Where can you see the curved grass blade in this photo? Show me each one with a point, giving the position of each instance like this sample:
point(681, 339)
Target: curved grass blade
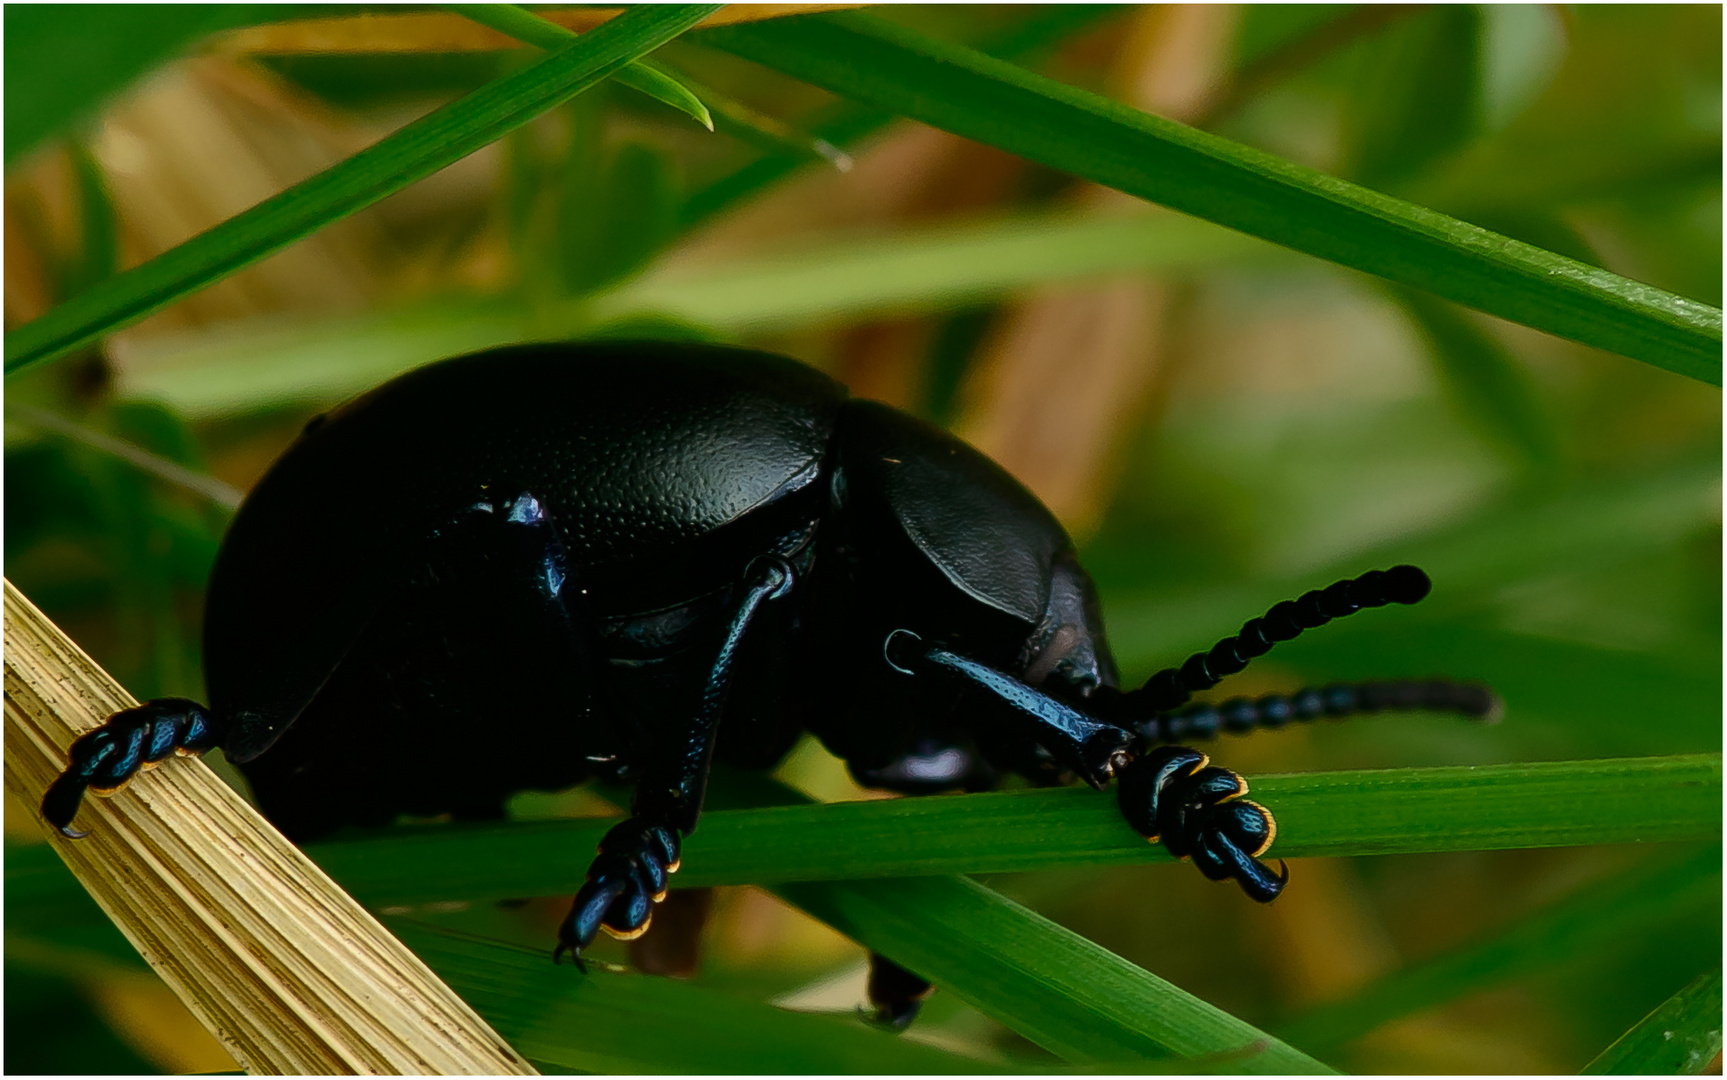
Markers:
point(412, 153)
point(1071, 997)
point(970, 94)
point(1581, 926)
point(1681, 1037)
point(524, 25)
point(1068, 995)
point(223, 494)
point(614, 1022)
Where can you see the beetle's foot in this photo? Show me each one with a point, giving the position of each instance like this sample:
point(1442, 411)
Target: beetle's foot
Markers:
point(626, 880)
point(1175, 796)
point(105, 758)
point(895, 994)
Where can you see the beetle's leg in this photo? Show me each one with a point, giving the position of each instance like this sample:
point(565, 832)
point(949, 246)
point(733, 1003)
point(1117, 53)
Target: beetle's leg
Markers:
point(1171, 687)
point(629, 875)
point(895, 993)
point(1338, 700)
point(1093, 748)
point(105, 758)
point(1174, 795)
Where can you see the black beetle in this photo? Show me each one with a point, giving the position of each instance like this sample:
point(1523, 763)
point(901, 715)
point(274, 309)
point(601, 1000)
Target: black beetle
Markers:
point(540, 564)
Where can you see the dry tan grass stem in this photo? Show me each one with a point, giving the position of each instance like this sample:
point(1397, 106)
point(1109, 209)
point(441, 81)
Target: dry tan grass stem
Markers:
point(285, 969)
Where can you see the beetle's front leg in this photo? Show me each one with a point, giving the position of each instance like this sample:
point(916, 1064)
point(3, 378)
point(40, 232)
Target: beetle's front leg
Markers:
point(629, 875)
point(1169, 794)
point(1175, 795)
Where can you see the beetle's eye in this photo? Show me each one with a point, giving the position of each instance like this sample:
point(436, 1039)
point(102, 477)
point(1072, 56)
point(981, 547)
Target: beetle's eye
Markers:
point(1054, 655)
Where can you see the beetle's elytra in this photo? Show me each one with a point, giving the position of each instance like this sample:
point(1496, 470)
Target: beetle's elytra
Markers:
point(531, 566)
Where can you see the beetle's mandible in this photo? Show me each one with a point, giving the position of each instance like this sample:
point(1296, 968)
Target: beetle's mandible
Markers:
point(535, 565)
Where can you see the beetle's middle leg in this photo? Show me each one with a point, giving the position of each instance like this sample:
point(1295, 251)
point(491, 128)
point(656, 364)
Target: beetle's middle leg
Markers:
point(635, 857)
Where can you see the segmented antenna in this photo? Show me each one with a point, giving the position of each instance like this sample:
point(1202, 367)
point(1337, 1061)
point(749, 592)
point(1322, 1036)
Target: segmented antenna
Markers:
point(1171, 687)
point(1241, 715)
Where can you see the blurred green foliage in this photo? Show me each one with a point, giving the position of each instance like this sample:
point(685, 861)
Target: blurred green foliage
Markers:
point(1306, 422)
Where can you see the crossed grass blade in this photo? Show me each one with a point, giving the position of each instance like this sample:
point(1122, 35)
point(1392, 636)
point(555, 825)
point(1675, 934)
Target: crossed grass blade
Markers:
point(610, 1021)
point(412, 153)
point(971, 95)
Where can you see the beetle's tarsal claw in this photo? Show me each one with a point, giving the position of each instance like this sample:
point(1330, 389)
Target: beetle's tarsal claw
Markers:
point(577, 930)
point(1259, 883)
point(60, 805)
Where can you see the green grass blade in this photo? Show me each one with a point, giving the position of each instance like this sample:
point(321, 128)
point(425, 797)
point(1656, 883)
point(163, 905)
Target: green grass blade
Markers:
point(1548, 804)
point(1059, 990)
point(1490, 807)
point(972, 95)
point(264, 363)
point(613, 1022)
point(524, 25)
point(847, 123)
point(1681, 1037)
point(1582, 926)
point(924, 270)
point(416, 151)
point(1045, 982)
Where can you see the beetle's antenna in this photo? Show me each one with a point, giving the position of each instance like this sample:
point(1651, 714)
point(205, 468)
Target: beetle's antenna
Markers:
point(1171, 687)
point(1241, 715)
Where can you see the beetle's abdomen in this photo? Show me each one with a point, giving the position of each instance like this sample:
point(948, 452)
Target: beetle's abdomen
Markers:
point(663, 467)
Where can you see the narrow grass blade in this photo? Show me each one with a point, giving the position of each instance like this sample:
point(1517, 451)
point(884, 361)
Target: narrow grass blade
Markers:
point(219, 492)
point(1550, 804)
point(614, 1022)
point(416, 151)
point(847, 123)
point(268, 363)
point(1071, 997)
point(972, 95)
point(927, 270)
point(1681, 1037)
point(1484, 808)
point(524, 25)
point(1583, 925)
